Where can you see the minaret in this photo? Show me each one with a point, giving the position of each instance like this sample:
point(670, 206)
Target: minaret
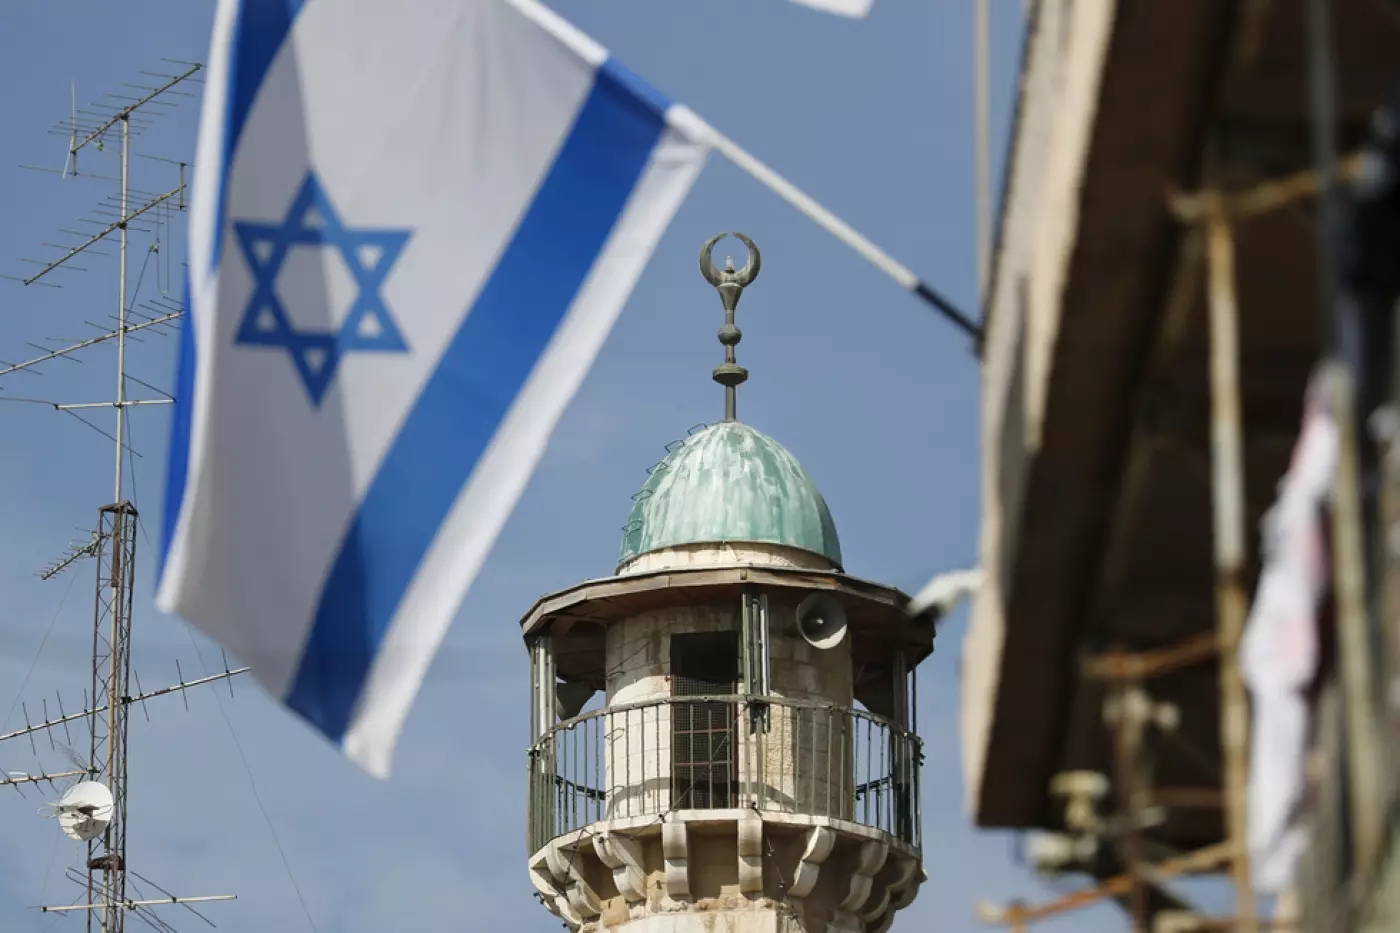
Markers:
point(751, 765)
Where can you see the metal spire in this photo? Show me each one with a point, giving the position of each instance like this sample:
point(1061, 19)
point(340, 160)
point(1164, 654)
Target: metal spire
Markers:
point(730, 284)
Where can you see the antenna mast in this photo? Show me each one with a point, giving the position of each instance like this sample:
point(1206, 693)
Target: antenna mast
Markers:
point(111, 671)
point(114, 542)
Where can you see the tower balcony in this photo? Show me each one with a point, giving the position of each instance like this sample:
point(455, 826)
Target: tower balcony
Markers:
point(754, 765)
point(781, 758)
point(645, 812)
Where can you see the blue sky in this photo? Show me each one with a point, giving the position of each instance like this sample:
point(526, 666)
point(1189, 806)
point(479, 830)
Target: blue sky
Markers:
point(876, 395)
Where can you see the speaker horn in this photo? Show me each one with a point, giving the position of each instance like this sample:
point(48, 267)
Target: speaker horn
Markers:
point(570, 697)
point(821, 621)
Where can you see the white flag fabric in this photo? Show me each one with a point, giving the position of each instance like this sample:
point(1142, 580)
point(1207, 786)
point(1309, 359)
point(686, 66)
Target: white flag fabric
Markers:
point(413, 227)
point(942, 594)
point(852, 8)
point(1279, 652)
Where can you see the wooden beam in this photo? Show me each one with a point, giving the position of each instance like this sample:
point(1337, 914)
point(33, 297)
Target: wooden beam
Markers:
point(1158, 662)
point(1198, 862)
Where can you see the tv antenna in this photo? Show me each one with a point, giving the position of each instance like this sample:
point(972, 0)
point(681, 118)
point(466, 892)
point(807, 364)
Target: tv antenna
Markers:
point(94, 810)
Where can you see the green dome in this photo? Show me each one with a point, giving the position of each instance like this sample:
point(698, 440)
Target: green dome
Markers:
point(730, 484)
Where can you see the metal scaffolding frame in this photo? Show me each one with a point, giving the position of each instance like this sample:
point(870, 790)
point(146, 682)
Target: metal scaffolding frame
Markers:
point(1355, 814)
point(1218, 212)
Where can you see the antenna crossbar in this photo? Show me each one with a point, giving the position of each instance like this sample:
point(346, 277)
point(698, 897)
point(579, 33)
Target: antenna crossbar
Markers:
point(126, 111)
point(90, 342)
point(87, 549)
point(126, 701)
point(132, 905)
point(185, 685)
point(106, 231)
point(127, 403)
point(43, 778)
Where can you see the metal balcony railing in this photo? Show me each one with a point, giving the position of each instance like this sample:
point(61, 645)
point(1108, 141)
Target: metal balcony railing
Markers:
point(715, 752)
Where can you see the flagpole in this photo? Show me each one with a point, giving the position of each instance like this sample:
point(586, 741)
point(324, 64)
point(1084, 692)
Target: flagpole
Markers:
point(844, 232)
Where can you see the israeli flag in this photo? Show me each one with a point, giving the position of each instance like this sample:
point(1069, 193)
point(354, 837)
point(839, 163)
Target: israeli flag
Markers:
point(413, 225)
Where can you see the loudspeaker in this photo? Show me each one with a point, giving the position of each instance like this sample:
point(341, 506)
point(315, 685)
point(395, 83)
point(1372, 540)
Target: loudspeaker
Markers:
point(570, 697)
point(821, 621)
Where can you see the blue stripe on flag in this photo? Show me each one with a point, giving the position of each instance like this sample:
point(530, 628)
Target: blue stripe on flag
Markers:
point(467, 397)
point(177, 455)
point(634, 84)
point(259, 29)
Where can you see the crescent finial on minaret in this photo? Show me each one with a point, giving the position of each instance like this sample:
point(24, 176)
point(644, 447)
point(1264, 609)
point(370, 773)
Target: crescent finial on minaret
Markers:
point(730, 284)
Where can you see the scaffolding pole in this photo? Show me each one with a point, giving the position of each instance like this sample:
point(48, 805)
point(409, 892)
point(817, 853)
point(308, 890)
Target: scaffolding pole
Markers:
point(1018, 917)
point(1232, 603)
point(1127, 700)
point(1341, 339)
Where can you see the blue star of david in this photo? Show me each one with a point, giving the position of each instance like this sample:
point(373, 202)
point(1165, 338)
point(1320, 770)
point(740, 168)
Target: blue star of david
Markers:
point(369, 254)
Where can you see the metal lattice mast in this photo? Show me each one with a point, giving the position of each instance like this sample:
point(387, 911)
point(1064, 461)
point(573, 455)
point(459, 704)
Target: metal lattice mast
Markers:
point(111, 672)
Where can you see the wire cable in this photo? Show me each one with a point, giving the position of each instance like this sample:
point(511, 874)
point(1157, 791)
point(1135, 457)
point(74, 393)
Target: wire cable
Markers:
point(35, 661)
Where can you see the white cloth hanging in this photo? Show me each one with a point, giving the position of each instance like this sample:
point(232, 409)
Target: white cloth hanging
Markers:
point(1279, 651)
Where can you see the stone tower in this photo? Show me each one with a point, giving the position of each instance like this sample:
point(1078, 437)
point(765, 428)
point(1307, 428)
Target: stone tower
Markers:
point(752, 764)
